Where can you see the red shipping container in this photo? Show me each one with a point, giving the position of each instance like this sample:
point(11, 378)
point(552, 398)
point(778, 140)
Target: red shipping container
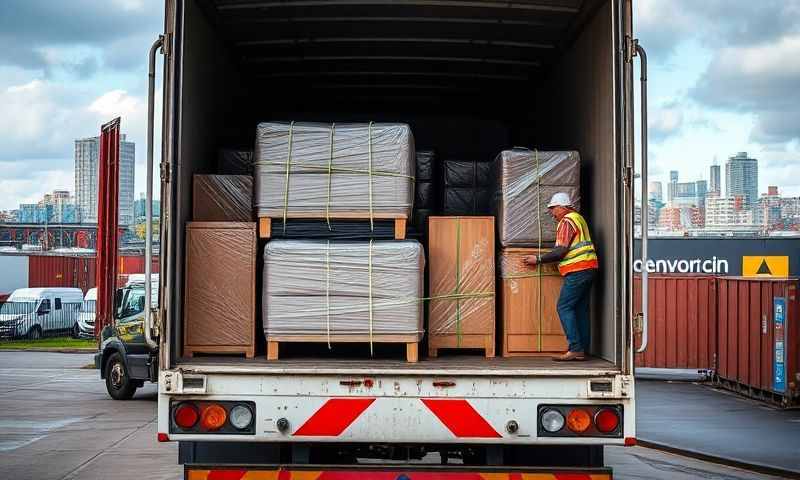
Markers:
point(56, 271)
point(682, 313)
point(759, 344)
point(134, 264)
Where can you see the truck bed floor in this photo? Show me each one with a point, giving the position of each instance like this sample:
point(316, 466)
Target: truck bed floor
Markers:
point(461, 365)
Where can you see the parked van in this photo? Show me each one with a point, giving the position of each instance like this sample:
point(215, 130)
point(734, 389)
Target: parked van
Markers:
point(38, 312)
point(84, 327)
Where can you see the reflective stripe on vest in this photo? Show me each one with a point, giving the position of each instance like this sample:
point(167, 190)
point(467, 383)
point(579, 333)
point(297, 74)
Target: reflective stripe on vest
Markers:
point(581, 249)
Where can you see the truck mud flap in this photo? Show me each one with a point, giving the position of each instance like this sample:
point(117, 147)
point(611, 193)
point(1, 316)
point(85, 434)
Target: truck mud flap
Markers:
point(382, 472)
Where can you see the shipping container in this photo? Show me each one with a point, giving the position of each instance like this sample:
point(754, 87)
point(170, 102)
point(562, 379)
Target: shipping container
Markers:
point(134, 264)
point(758, 339)
point(57, 271)
point(683, 322)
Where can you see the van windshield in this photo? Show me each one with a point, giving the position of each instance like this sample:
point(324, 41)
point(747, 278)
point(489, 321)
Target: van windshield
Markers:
point(18, 307)
point(88, 306)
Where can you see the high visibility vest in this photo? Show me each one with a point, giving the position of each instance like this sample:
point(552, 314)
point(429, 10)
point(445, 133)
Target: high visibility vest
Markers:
point(581, 254)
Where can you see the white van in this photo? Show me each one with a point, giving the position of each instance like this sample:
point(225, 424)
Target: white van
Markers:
point(36, 312)
point(84, 328)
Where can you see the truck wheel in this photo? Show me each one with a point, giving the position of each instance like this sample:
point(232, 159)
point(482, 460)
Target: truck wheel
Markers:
point(35, 333)
point(76, 331)
point(118, 383)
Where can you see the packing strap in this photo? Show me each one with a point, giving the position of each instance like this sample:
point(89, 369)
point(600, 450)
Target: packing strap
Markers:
point(286, 182)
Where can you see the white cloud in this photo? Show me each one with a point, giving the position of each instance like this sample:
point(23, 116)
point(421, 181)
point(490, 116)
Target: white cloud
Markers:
point(665, 121)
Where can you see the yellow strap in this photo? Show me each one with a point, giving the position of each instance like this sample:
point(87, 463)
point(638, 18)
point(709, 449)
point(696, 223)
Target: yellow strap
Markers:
point(539, 222)
point(286, 183)
point(371, 351)
point(328, 290)
point(371, 223)
point(330, 180)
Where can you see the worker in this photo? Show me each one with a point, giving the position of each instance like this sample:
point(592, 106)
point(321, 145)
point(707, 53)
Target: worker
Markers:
point(577, 263)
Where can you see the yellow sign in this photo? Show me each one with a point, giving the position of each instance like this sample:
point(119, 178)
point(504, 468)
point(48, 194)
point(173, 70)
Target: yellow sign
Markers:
point(763, 266)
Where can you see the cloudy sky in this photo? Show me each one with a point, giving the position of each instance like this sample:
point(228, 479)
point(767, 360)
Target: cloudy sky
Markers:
point(723, 78)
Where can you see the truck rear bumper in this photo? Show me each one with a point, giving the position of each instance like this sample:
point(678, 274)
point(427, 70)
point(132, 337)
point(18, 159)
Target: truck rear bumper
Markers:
point(379, 472)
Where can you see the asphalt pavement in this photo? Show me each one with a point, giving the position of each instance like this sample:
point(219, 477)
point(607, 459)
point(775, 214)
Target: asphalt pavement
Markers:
point(713, 422)
point(57, 422)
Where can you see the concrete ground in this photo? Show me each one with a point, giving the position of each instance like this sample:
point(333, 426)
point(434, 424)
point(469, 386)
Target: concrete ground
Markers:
point(722, 424)
point(56, 422)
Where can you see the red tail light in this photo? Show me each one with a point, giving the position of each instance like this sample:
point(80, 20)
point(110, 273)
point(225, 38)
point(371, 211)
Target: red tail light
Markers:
point(606, 420)
point(213, 417)
point(186, 416)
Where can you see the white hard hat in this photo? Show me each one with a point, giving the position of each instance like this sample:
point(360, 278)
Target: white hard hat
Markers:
point(560, 199)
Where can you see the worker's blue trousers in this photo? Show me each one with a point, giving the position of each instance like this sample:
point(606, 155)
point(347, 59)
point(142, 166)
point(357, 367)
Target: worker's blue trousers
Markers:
point(573, 309)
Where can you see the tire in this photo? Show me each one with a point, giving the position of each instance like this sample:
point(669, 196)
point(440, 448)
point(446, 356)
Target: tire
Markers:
point(76, 331)
point(118, 383)
point(35, 333)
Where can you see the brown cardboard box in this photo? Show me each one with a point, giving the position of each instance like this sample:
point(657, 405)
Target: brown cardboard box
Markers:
point(528, 297)
point(462, 283)
point(222, 198)
point(220, 299)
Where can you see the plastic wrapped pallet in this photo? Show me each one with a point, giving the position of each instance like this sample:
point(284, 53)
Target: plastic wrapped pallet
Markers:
point(316, 170)
point(222, 198)
point(235, 161)
point(526, 180)
point(426, 164)
point(465, 173)
point(424, 195)
point(310, 229)
point(317, 288)
point(528, 299)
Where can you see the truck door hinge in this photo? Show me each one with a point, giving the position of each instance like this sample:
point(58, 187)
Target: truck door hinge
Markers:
point(630, 48)
point(627, 176)
point(165, 172)
point(166, 44)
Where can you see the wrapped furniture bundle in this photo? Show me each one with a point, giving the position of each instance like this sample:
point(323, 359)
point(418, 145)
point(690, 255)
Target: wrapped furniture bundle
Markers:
point(314, 170)
point(526, 180)
point(426, 195)
point(467, 187)
point(235, 161)
point(222, 198)
point(528, 299)
point(325, 291)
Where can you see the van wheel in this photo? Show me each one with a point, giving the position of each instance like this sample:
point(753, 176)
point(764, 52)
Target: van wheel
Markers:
point(76, 331)
point(118, 383)
point(35, 333)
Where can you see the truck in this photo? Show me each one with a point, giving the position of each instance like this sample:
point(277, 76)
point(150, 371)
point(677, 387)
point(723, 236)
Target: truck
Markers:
point(468, 76)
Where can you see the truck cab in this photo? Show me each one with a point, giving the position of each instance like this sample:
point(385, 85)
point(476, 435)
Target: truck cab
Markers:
point(124, 359)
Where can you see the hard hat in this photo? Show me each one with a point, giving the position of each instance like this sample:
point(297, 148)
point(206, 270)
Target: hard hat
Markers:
point(560, 199)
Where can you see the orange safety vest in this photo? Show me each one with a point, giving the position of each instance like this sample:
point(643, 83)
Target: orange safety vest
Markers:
point(581, 254)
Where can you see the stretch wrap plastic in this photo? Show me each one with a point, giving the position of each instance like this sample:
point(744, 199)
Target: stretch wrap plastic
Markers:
point(317, 287)
point(222, 198)
point(526, 180)
point(321, 170)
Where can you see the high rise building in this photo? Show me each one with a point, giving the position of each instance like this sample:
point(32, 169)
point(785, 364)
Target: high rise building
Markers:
point(655, 192)
point(741, 178)
point(700, 192)
point(86, 185)
point(673, 176)
point(672, 185)
point(714, 187)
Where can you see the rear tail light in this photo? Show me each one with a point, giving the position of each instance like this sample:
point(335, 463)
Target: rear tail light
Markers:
point(220, 417)
point(580, 421)
point(606, 420)
point(213, 417)
point(186, 416)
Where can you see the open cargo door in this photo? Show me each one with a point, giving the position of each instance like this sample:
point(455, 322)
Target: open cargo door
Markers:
point(107, 223)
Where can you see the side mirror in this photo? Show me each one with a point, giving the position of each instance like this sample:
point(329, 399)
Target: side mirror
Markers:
point(118, 296)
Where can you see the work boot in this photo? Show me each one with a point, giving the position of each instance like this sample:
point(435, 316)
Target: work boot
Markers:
point(570, 357)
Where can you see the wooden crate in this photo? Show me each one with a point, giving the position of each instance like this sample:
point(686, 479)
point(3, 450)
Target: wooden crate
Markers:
point(461, 261)
point(530, 323)
point(411, 341)
point(400, 220)
point(219, 312)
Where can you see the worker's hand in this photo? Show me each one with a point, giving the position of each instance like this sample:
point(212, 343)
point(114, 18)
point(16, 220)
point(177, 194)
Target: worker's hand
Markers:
point(530, 260)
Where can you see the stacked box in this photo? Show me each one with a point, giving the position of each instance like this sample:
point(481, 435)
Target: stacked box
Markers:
point(425, 191)
point(528, 299)
point(219, 311)
point(222, 198)
point(315, 288)
point(467, 187)
point(461, 312)
point(526, 180)
point(315, 170)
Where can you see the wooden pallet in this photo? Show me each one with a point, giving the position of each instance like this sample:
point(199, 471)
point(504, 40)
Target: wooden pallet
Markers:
point(411, 341)
point(265, 223)
point(247, 351)
point(468, 340)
